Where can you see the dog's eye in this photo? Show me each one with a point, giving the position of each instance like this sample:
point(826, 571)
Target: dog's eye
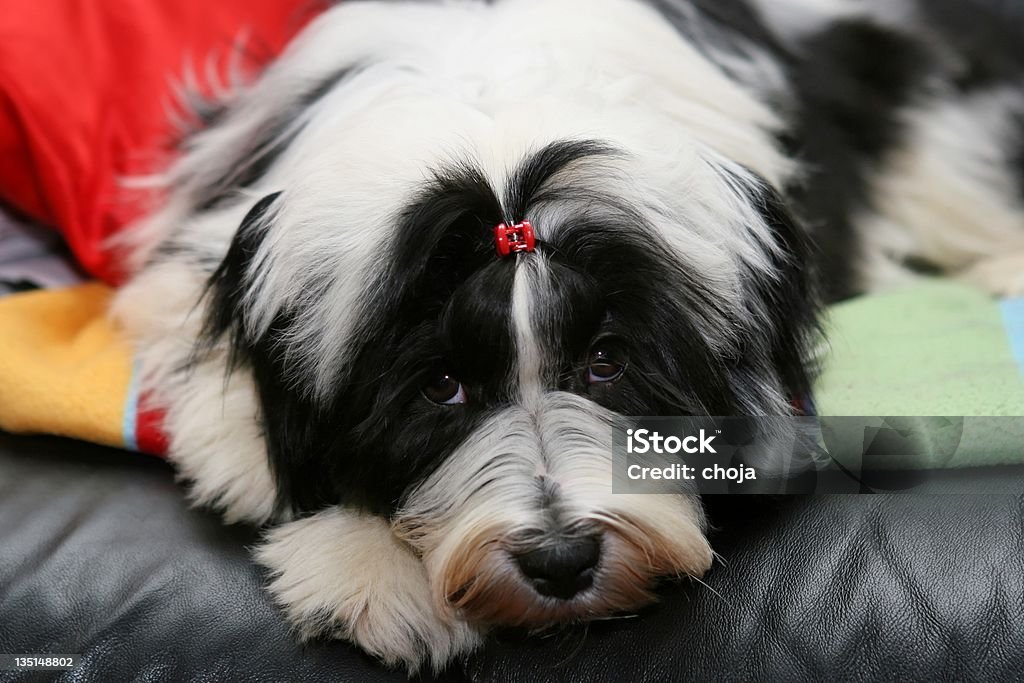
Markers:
point(607, 362)
point(445, 390)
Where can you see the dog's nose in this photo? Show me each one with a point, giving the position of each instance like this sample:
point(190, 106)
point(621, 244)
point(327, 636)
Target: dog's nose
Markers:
point(562, 569)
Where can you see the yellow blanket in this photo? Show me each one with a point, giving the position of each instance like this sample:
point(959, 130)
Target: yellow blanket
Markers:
point(65, 370)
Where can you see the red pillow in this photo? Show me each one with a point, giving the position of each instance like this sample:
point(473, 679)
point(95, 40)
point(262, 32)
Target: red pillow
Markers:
point(85, 89)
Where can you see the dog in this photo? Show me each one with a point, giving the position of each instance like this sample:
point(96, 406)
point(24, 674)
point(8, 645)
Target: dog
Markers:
point(422, 418)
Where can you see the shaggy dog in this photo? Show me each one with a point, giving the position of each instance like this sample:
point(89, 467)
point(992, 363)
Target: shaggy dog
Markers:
point(342, 352)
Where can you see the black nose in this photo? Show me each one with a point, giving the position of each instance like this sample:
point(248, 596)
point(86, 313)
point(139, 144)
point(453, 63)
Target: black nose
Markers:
point(562, 568)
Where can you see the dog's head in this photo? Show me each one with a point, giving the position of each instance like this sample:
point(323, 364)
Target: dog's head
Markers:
point(470, 397)
point(407, 369)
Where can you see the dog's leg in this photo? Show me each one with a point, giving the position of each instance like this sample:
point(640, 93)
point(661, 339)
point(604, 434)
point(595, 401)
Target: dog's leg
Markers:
point(342, 573)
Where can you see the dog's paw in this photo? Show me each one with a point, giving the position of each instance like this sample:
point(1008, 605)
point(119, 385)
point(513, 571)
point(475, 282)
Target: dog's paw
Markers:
point(344, 574)
point(999, 275)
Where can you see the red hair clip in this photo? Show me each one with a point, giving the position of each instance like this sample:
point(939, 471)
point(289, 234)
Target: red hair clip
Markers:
point(513, 239)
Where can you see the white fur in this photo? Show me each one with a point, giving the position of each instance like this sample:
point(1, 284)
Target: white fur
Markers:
point(440, 83)
point(487, 491)
point(344, 574)
point(947, 195)
point(532, 276)
point(796, 19)
point(212, 418)
point(416, 103)
point(430, 102)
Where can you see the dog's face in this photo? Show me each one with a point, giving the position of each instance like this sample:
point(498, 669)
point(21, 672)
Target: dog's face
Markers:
point(405, 369)
point(470, 398)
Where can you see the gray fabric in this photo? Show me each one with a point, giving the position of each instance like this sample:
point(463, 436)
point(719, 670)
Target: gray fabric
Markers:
point(32, 256)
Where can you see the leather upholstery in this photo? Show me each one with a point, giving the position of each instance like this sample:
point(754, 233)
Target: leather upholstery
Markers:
point(916, 587)
point(100, 555)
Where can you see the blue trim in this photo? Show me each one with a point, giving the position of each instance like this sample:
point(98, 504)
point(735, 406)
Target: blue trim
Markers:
point(131, 411)
point(1013, 318)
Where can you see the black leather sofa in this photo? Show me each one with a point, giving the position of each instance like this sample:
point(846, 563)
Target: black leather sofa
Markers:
point(100, 556)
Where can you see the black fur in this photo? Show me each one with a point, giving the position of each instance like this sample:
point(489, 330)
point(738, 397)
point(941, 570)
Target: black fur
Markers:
point(851, 85)
point(527, 186)
point(847, 87)
point(793, 300)
point(442, 302)
point(444, 305)
point(227, 284)
point(984, 36)
point(347, 449)
point(730, 26)
point(615, 279)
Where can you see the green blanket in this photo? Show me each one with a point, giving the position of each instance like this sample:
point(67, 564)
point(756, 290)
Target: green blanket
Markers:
point(934, 349)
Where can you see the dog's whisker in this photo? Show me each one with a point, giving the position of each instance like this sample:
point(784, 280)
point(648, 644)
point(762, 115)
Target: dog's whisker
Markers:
point(713, 591)
point(577, 648)
point(614, 617)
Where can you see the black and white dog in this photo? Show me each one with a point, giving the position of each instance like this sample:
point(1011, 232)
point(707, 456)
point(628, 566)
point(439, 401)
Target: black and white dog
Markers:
point(342, 352)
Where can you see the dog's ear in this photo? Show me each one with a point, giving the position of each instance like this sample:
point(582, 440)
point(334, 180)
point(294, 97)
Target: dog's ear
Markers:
point(789, 300)
point(227, 287)
point(288, 415)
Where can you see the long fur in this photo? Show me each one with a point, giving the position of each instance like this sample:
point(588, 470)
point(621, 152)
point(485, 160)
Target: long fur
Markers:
point(701, 175)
